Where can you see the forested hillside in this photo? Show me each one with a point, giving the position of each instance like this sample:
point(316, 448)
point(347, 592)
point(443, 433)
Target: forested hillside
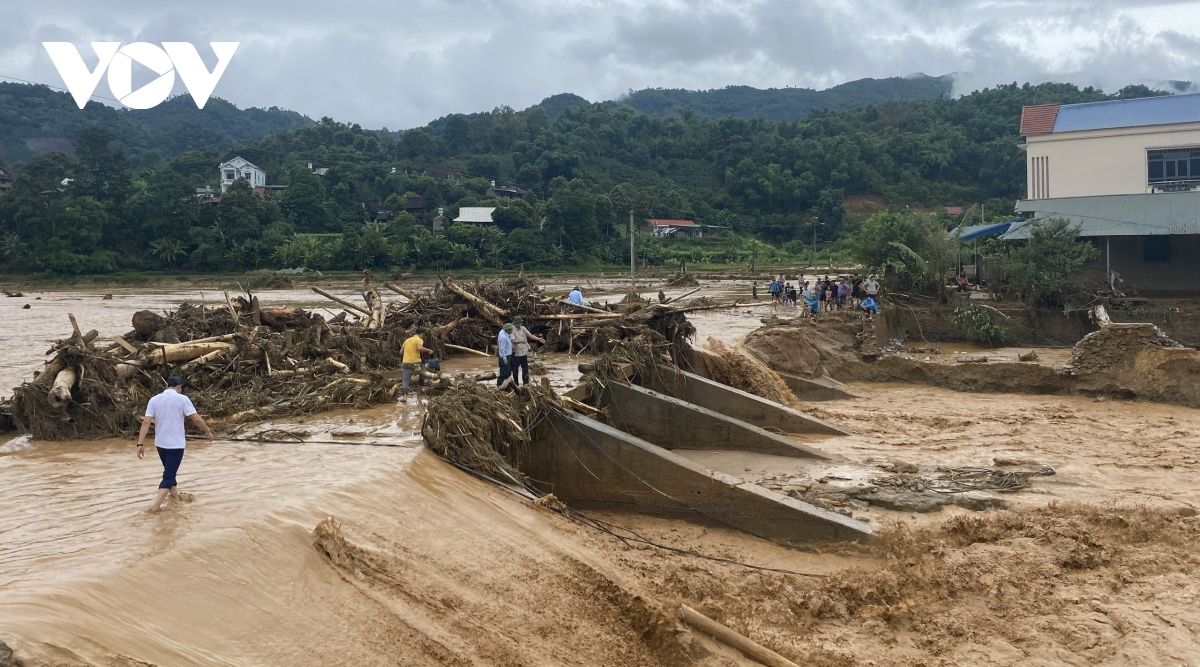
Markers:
point(788, 103)
point(756, 178)
point(35, 119)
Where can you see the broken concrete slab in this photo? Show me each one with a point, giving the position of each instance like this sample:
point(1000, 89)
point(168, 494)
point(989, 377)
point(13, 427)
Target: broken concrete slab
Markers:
point(586, 463)
point(675, 424)
point(734, 402)
point(815, 389)
point(908, 501)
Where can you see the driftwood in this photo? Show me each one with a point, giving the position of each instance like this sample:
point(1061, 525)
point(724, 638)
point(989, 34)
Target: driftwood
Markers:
point(490, 312)
point(460, 348)
point(582, 307)
point(681, 296)
point(602, 315)
point(447, 328)
point(748, 647)
point(972, 360)
point(128, 369)
point(202, 359)
point(60, 391)
point(401, 291)
point(175, 352)
point(337, 299)
point(124, 345)
point(147, 322)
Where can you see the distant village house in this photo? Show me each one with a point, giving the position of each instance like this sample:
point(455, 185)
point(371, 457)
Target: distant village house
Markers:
point(239, 168)
point(475, 215)
point(505, 191)
point(675, 228)
point(5, 180)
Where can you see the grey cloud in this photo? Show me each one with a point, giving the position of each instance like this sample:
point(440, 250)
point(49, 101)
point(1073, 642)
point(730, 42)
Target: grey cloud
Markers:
point(380, 63)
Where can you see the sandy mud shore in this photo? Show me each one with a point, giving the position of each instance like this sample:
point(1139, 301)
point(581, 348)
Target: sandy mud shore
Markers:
point(317, 554)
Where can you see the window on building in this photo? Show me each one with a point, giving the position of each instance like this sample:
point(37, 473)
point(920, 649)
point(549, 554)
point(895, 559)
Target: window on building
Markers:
point(1156, 248)
point(230, 174)
point(1173, 165)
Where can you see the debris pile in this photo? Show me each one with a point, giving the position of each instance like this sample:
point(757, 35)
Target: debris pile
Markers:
point(244, 361)
point(241, 361)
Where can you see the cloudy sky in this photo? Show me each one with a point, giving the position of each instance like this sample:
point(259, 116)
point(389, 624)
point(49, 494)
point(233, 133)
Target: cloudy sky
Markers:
point(401, 64)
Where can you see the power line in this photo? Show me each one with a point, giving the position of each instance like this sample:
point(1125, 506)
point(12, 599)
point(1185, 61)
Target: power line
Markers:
point(58, 88)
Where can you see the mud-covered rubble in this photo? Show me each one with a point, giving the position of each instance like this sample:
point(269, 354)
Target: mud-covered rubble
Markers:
point(1101, 350)
point(905, 487)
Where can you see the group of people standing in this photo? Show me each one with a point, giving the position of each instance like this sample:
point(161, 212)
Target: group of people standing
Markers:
point(512, 349)
point(826, 295)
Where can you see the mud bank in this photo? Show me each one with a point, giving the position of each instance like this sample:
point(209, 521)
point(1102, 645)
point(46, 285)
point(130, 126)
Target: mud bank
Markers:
point(1129, 361)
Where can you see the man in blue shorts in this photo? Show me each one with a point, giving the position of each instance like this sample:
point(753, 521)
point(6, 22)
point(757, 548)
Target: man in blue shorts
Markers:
point(169, 412)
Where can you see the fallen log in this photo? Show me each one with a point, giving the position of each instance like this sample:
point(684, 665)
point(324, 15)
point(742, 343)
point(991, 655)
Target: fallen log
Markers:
point(447, 328)
point(590, 309)
point(580, 406)
point(972, 360)
point(211, 339)
point(490, 312)
point(337, 364)
point(60, 391)
point(176, 352)
point(748, 647)
point(460, 348)
point(347, 304)
point(50, 371)
point(682, 296)
point(128, 369)
point(602, 315)
point(203, 359)
point(401, 291)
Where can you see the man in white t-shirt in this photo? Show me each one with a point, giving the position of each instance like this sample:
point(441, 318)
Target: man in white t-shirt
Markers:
point(169, 412)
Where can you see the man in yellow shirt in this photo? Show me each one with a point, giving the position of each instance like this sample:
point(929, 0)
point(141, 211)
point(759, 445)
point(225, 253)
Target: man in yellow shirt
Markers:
point(412, 349)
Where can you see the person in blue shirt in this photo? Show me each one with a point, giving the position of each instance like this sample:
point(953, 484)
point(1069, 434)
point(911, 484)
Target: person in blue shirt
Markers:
point(504, 350)
point(576, 296)
point(869, 305)
point(774, 290)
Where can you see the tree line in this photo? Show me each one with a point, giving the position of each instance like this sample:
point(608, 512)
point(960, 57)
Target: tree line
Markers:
point(764, 185)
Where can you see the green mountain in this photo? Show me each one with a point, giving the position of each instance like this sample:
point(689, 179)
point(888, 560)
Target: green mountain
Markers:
point(787, 103)
point(747, 102)
point(35, 119)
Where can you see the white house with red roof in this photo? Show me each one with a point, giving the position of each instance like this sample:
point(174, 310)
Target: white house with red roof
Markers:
point(675, 228)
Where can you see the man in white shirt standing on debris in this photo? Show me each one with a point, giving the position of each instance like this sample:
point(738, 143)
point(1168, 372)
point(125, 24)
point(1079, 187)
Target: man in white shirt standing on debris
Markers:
point(168, 412)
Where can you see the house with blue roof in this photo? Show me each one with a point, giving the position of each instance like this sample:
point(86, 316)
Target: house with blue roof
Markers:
point(1126, 174)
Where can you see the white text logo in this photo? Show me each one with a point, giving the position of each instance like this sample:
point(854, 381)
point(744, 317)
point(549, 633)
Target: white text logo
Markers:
point(118, 60)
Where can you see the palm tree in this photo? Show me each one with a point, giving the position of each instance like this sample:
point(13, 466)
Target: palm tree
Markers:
point(13, 248)
point(167, 250)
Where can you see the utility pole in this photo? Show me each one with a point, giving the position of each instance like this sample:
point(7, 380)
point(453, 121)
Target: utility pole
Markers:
point(632, 256)
point(816, 223)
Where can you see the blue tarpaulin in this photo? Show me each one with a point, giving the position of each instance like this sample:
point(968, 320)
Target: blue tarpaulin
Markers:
point(972, 232)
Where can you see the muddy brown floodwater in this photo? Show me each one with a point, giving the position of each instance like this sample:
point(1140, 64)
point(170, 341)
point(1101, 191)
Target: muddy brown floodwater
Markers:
point(424, 565)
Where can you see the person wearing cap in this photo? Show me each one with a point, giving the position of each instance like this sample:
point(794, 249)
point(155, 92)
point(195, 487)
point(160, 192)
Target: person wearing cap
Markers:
point(411, 351)
point(169, 412)
point(520, 356)
point(504, 350)
point(576, 296)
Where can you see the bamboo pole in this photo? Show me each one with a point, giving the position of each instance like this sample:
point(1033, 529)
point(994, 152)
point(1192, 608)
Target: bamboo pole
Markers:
point(347, 304)
point(751, 649)
point(682, 296)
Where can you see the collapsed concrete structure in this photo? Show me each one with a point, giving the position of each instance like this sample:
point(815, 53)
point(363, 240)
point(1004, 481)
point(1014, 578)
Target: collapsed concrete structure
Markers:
point(632, 464)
